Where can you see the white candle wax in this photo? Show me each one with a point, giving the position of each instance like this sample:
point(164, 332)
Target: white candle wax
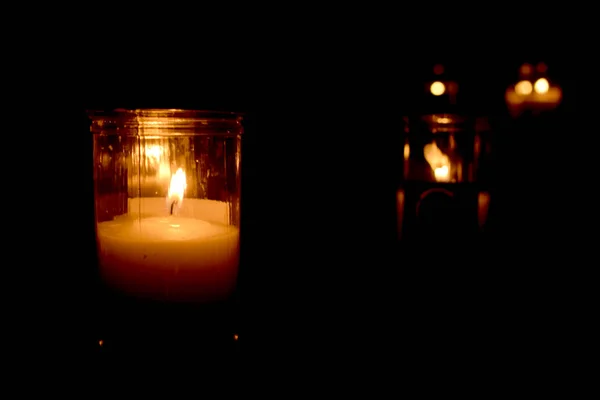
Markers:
point(192, 255)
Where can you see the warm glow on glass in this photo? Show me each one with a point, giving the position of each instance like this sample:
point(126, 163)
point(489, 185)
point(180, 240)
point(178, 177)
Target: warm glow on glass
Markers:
point(406, 151)
point(437, 88)
point(444, 120)
point(524, 88)
point(154, 152)
point(541, 86)
point(156, 159)
point(438, 161)
point(177, 188)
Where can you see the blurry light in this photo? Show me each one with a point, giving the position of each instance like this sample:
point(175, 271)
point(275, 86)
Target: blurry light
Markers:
point(526, 69)
point(437, 88)
point(441, 173)
point(406, 151)
point(541, 86)
point(541, 68)
point(452, 87)
point(235, 337)
point(100, 342)
point(524, 88)
point(444, 120)
point(438, 69)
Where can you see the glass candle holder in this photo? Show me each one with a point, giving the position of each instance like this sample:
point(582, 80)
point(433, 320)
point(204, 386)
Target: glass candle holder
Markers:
point(167, 202)
point(444, 186)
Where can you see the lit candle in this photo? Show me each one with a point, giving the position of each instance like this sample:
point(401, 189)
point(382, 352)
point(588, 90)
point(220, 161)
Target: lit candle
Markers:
point(183, 250)
point(539, 95)
point(439, 162)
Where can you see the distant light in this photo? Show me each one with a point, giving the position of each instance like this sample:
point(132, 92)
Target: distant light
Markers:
point(541, 86)
point(101, 342)
point(438, 69)
point(523, 88)
point(235, 337)
point(526, 69)
point(437, 88)
point(541, 68)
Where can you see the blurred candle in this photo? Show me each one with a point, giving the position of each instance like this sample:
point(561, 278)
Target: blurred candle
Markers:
point(529, 94)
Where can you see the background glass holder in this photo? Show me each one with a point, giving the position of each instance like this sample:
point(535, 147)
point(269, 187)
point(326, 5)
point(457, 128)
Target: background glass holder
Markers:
point(444, 189)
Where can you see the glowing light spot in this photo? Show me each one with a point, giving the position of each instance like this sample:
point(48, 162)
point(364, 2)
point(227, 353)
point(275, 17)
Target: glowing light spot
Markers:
point(437, 88)
point(541, 86)
point(523, 88)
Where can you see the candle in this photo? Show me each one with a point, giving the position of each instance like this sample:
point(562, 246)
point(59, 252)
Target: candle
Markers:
point(173, 250)
point(538, 96)
point(439, 162)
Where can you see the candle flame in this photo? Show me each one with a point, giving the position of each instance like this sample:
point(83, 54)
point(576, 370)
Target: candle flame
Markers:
point(541, 86)
point(437, 88)
point(438, 161)
point(177, 187)
point(523, 88)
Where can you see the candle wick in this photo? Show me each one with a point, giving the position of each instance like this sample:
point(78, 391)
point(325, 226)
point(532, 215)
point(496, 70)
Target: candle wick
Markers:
point(173, 205)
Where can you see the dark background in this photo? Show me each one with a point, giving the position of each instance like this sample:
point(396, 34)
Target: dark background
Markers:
point(321, 281)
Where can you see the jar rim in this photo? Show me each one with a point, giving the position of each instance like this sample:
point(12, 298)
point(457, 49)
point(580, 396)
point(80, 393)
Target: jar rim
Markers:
point(161, 112)
point(168, 120)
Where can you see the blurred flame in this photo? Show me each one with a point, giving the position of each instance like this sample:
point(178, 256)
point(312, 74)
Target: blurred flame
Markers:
point(437, 88)
point(441, 174)
point(524, 88)
point(177, 187)
point(438, 161)
point(541, 86)
point(406, 151)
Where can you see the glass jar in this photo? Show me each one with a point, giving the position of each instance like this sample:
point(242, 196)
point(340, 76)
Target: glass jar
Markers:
point(167, 202)
point(445, 178)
